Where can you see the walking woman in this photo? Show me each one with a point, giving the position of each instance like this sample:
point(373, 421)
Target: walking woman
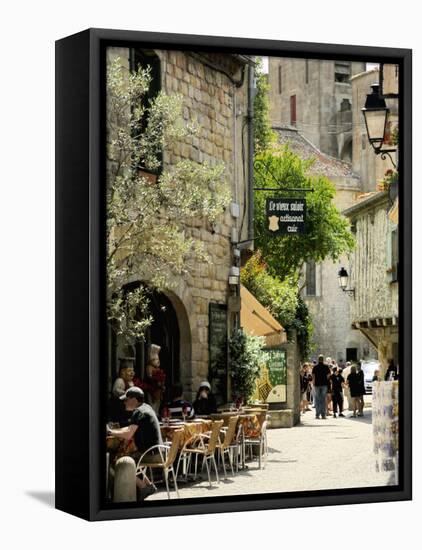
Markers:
point(304, 386)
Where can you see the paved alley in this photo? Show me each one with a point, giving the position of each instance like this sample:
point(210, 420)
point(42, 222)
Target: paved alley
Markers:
point(334, 453)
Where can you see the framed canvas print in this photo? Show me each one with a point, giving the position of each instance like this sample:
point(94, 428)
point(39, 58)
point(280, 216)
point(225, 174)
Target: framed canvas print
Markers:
point(233, 274)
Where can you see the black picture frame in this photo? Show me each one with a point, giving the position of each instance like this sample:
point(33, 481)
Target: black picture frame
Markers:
point(80, 273)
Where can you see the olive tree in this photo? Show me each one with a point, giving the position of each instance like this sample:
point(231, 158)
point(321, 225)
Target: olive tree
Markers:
point(148, 215)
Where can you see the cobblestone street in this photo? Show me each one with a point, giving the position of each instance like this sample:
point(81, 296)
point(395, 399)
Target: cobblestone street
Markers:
point(318, 454)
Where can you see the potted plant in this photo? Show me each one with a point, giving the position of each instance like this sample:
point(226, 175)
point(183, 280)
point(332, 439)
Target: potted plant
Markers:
point(246, 355)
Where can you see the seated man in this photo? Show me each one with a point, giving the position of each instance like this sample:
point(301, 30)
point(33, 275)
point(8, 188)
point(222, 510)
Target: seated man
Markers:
point(178, 407)
point(144, 428)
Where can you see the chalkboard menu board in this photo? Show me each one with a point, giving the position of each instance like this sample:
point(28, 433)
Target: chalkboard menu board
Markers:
point(218, 350)
point(277, 374)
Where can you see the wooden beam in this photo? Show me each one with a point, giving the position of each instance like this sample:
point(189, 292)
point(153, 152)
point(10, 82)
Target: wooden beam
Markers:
point(370, 337)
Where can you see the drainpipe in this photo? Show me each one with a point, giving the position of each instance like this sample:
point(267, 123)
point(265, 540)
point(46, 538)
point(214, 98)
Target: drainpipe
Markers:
point(251, 96)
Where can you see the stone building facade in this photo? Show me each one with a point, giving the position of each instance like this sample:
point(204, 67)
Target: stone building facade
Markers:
point(215, 92)
point(373, 274)
point(315, 96)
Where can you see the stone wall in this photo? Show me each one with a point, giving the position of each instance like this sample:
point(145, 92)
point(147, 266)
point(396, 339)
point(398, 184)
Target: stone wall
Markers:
point(375, 310)
point(376, 295)
point(330, 311)
point(213, 99)
point(219, 107)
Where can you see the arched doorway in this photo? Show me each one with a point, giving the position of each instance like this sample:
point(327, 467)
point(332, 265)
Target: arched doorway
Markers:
point(170, 330)
point(164, 332)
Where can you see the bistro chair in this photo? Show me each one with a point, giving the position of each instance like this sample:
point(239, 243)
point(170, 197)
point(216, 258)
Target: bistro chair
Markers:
point(168, 455)
point(261, 442)
point(203, 445)
point(226, 446)
point(237, 446)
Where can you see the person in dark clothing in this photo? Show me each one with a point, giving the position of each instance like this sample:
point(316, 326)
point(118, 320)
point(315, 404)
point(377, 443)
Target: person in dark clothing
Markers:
point(391, 373)
point(320, 375)
point(337, 382)
point(205, 403)
point(144, 428)
point(361, 375)
point(376, 377)
point(178, 407)
point(355, 386)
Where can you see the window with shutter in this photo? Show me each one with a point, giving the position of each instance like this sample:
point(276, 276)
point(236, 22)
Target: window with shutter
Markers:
point(311, 278)
point(293, 110)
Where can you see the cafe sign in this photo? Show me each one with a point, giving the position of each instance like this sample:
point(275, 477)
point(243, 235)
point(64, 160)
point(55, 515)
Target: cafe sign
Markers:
point(286, 216)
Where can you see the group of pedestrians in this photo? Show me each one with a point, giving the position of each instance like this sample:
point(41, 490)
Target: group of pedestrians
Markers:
point(323, 384)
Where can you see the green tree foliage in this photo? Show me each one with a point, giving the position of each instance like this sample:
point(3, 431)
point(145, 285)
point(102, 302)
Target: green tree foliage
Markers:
point(147, 217)
point(264, 136)
point(246, 356)
point(279, 297)
point(304, 328)
point(327, 231)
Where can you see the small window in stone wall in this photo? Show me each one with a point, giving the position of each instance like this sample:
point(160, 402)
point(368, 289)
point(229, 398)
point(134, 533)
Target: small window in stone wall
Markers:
point(310, 278)
point(306, 71)
point(279, 80)
point(364, 138)
point(342, 71)
point(293, 110)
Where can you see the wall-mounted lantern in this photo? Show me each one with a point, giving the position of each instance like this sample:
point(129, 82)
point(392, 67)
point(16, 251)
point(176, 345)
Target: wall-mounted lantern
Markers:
point(375, 114)
point(343, 278)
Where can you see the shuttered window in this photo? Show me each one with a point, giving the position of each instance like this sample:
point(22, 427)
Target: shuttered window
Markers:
point(293, 110)
point(310, 279)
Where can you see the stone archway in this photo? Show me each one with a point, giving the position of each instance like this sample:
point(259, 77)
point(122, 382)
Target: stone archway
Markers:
point(185, 340)
point(171, 331)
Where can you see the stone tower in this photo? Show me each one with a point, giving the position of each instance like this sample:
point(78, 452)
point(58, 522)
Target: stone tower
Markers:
point(315, 96)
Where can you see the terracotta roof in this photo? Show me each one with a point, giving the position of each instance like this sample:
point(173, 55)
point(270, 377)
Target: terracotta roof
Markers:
point(324, 165)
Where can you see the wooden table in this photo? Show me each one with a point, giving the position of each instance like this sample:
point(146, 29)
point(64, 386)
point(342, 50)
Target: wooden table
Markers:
point(190, 428)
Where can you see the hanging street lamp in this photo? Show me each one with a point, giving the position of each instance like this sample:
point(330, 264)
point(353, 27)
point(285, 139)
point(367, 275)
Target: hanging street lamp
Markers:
point(375, 114)
point(343, 278)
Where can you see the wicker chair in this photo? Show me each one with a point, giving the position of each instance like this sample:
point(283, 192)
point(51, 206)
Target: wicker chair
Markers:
point(261, 442)
point(203, 445)
point(227, 445)
point(168, 455)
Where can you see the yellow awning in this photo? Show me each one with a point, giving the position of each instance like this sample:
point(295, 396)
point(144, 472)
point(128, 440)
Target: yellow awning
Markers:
point(256, 320)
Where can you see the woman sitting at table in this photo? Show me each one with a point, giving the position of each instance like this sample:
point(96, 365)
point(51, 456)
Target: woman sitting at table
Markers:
point(122, 383)
point(205, 403)
point(178, 407)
